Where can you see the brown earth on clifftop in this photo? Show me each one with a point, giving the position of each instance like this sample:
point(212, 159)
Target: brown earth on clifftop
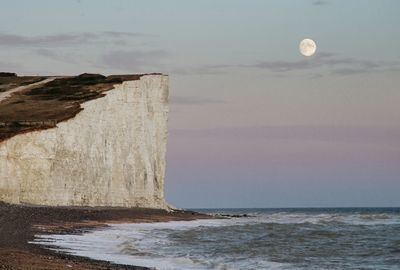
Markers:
point(35, 105)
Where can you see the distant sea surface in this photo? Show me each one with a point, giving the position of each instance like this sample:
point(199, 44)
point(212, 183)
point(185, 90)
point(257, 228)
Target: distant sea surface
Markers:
point(334, 238)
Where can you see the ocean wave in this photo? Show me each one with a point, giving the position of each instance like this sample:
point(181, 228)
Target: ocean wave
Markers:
point(150, 245)
point(299, 218)
point(279, 240)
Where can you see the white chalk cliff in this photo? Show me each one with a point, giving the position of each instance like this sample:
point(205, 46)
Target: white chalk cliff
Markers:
point(112, 153)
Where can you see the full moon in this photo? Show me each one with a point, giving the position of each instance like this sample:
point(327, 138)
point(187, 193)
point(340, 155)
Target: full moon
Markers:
point(307, 47)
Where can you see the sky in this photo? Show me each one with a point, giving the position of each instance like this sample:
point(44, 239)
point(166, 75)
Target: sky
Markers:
point(252, 122)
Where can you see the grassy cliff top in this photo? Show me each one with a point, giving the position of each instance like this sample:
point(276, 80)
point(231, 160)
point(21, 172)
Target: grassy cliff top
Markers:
point(30, 103)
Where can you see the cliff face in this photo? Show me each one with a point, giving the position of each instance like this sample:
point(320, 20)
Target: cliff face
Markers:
point(112, 153)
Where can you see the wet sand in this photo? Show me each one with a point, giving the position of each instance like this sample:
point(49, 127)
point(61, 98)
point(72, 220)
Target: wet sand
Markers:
point(19, 224)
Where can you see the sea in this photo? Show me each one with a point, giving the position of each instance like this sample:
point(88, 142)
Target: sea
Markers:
point(300, 238)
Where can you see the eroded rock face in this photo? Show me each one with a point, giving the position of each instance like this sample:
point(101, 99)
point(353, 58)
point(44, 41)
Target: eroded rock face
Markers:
point(112, 153)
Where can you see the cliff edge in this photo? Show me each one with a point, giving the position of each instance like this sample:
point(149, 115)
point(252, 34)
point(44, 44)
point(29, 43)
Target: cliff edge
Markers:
point(88, 140)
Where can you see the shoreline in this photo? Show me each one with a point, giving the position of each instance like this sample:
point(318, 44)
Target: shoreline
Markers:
point(20, 223)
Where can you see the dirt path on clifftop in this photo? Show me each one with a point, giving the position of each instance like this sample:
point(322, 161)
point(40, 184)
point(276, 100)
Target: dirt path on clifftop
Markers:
point(7, 94)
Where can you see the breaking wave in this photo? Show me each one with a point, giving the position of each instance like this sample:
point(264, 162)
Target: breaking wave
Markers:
point(257, 239)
